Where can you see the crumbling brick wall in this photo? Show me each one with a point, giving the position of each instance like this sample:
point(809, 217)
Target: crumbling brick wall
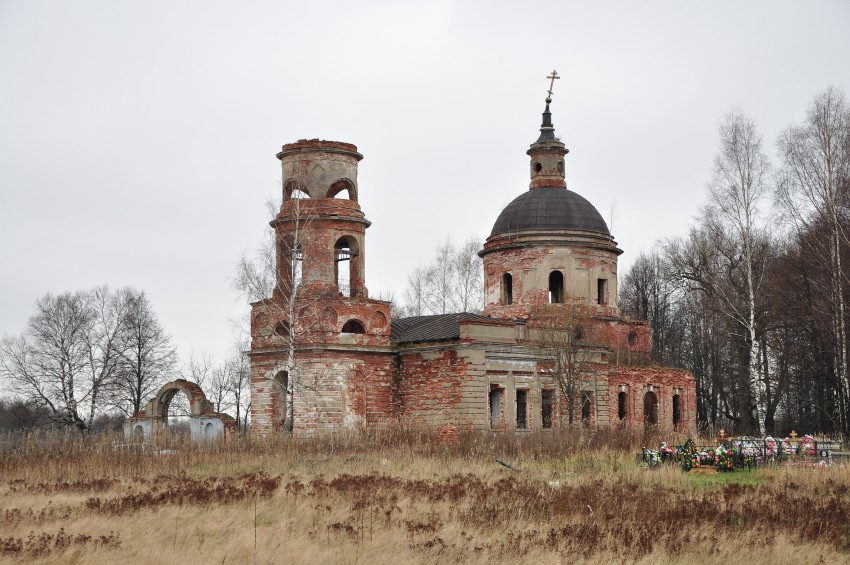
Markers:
point(664, 383)
point(442, 385)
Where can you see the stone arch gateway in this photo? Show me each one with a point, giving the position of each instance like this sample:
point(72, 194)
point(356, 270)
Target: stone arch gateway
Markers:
point(204, 422)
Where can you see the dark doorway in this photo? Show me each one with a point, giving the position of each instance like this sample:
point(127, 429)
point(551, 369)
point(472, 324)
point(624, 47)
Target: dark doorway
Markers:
point(622, 405)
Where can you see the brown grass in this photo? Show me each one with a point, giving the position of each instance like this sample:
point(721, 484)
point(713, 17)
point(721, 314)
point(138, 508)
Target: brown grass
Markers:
point(399, 495)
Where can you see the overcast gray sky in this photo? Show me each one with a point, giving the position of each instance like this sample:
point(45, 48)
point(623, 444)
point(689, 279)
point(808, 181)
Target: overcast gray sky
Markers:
point(138, 139)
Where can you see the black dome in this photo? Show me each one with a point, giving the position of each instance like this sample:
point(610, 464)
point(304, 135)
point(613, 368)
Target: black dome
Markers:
point(549, 209)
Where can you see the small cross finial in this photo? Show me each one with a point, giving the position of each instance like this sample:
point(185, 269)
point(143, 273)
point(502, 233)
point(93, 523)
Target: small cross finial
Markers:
point(793, 434)
point(553, 77)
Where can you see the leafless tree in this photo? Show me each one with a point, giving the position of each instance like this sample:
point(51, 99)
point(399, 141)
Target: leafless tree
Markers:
point(67, 358)
point(737, 194)
point(146, 356)
point(566, 336)
point(416, 293)
point(452, 282)
point(263, 278)
point(814, 188)
point(646, 293)
point(218, 387)
point(439, 297)
point(469, 276)
point(239, 379)
point(17, 414)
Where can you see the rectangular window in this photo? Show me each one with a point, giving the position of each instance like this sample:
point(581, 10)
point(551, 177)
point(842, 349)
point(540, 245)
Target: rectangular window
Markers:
point(507, 289)
point(495, 407)
point(585, 407)
point(546, 398)
point(522, 409)
point(602, 291)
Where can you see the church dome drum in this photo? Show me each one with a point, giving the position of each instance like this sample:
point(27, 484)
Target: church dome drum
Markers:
point(550, 244)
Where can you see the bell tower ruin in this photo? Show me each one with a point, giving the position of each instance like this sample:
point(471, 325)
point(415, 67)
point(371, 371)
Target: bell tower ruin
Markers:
point(319, 338)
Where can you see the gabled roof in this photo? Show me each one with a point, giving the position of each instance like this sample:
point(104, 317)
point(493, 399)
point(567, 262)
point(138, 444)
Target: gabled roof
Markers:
point(440, 327)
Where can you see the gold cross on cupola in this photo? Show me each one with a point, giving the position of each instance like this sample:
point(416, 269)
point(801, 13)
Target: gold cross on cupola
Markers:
point(553, 77)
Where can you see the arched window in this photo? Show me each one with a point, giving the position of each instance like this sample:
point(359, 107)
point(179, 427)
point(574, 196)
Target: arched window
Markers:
point(556, 287)
point(677, 415)
point(353, 327)
point(345, 250)
point(507, 289)
point(622, 405)
point(632, 337)
point(282, 330)
point(650, 409)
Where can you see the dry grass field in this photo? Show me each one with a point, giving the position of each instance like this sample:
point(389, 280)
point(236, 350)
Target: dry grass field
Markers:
point(399, 496)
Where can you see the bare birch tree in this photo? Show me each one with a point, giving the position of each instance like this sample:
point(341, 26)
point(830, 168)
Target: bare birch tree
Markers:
point(440, 280)
point(737, 193)
point(813, 188)
point(452, 282)
point(469, 276)
point(415, 294)
point(274, 276)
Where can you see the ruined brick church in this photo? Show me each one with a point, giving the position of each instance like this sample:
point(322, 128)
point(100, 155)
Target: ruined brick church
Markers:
point(325, 356)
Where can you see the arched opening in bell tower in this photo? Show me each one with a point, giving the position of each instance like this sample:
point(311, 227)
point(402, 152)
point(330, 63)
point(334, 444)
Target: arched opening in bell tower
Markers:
point(294, 190)
point(346, 266)
point(344, 189)
point(290, 265)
